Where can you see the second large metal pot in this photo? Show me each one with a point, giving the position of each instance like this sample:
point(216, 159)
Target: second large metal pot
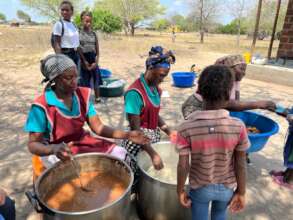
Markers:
point(157, 199)
point(60, 172)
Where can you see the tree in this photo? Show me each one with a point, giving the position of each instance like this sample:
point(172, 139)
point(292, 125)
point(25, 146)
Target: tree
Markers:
point(232, 28)
point(238, 9)
point(160, 24)
point(204, 12)
point(131, 12)
point(23, 16)
point(2, 17)
point(103, 20)
point(179, 21)
point(48, 8)
point(267, 16)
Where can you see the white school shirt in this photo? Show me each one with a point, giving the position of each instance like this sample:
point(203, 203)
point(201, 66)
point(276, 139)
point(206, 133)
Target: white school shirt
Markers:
point(70, 38)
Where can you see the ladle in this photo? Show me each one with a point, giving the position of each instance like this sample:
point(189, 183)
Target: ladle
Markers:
point(74, 164)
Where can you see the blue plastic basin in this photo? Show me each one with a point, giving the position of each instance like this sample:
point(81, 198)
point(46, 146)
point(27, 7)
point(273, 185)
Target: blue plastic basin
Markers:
point(184, 79)
point(105, 73)
point(267, 127)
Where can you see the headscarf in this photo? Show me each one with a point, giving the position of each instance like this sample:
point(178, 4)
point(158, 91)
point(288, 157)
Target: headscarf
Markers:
point(159, 58)
point(54, 65)
point(230, 60)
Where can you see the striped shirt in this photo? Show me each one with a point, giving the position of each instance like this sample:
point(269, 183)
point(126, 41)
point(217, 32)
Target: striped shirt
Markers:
point(88, 41)
point(211, 137)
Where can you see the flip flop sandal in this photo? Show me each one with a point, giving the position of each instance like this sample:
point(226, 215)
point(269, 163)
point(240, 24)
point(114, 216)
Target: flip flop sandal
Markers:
point(280, 181)
point(276, 173)
point(97, 100)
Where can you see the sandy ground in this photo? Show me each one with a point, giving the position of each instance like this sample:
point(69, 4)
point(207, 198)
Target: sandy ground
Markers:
point(20, 83)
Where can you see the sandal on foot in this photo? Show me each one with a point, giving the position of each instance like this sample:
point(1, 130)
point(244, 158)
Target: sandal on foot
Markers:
point(276, 173)
point(280, 181)
point(97, 100)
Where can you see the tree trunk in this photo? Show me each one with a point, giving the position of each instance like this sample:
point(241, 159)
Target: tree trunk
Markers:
point(126, 27)
point(201, 28)
point(125, 31)
point(238, 33)
point(201, 36)
point(132, 29)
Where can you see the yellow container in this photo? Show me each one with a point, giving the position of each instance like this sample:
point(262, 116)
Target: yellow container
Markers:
point(247, 57)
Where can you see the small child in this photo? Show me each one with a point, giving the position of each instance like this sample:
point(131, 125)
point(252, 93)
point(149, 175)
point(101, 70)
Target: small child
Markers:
point(216, 144)
point(237, 66)
point(285, 178)
point(89, 46)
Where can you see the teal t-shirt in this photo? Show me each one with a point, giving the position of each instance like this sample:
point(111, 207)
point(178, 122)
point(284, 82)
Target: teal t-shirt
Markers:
point(134, 102)
point(37, 120)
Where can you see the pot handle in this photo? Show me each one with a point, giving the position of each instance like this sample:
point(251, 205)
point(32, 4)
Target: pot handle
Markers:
point(34, 201)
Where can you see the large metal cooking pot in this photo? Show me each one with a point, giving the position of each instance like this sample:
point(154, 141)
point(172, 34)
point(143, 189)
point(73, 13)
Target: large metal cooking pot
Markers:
point(157, 199)
point(62, 171)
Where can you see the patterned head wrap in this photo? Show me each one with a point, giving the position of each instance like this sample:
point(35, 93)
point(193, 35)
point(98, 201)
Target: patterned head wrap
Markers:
point(54, 65)
point(231, 60)
point(159, 58)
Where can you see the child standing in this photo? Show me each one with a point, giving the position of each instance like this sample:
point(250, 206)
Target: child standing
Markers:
point(90, 49)
point(65, 33)
point(216, 144)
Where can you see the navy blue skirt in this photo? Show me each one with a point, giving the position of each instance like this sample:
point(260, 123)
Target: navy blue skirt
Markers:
point(86, 76)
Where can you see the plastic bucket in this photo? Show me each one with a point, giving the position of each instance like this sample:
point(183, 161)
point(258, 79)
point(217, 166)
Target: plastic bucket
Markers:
point(184, 79)
point(105, 73)
point(247, 57)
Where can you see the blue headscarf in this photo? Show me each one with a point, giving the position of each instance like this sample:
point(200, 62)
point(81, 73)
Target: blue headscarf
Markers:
point(159, 58)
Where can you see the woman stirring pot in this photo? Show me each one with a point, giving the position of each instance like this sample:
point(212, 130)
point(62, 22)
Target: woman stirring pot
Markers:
point(56, 119)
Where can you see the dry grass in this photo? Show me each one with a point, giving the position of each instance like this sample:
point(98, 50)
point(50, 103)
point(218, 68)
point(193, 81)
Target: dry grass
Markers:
point(24, 46)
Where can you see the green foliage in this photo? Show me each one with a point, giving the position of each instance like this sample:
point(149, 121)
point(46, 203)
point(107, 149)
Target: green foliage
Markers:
point(185, 24)
point(267, 16)
point(103, 20)
point(2, 17)
point(232, 28)
point(160, 24)
point(48, 8)
point(131, 12)
point(23, 16)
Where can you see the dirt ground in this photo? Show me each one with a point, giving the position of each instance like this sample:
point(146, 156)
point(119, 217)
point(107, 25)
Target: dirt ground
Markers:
point(20, 82)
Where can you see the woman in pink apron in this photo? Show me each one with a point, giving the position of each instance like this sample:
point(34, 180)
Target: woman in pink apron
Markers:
point(56, 119)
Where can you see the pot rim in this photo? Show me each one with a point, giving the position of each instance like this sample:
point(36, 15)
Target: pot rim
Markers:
point(153, 179)
point(93, 210)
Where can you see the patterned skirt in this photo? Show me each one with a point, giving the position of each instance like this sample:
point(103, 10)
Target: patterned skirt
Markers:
point(133, 149)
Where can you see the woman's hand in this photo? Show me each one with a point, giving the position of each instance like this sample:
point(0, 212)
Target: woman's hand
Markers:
point(138, 137)
point(173, 136)
point(269, 105)
point(157, 161)
point(86, 65)
point(3, 195)
point(93, 66)
point(62, 151)
point(237, 203)
point(184, 199)
point(290, 118)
